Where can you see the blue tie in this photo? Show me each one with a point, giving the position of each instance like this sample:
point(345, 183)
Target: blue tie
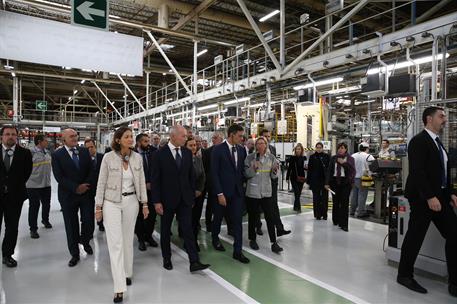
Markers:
point(178, 158)
point(74, 157)
point(443, 172)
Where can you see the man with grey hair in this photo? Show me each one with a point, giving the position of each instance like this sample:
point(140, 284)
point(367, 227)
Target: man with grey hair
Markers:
point(73, 169)
point(173, 193)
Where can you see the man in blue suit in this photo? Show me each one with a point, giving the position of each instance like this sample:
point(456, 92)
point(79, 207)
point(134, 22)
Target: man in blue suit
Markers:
point(73, 169)
point(173, 193)
point(227, 172)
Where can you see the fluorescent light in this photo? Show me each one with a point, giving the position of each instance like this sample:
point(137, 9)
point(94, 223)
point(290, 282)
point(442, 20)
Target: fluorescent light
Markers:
point(235, 101)
point(341, 90)
point(202, 52)
point(66, 68)
point(166, 47)
point(13, 74)
point(83, 81)
point(211, 106)
point(266, 17)
point(256, 105)
point(75, 91)
point(405, 64)
point(8, 67)
point(319, 83)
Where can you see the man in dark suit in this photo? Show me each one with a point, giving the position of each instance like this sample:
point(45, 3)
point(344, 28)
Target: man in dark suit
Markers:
point(15, 170)
point(144, 227)
point(274, 185)
point(217, 138)
point(73, 169)
point(173, 193)
point(227, 172)
point(431, 198)
point(96, 162)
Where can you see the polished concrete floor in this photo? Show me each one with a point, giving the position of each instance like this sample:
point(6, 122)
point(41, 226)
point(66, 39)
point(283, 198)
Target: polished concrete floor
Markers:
point(320, 264)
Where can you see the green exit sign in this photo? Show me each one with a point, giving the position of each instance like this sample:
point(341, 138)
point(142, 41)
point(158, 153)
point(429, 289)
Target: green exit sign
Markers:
point(41, 105)
point(90, 13)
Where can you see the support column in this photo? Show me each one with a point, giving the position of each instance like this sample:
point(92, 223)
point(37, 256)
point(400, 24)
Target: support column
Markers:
point(328, 26)
point(282, 39)
point(267, 112)
point(148, 98)
point(15, 100)
point(163, 13)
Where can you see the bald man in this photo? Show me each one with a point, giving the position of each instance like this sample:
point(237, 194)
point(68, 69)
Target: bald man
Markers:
point(73, 170)
point(173, 193)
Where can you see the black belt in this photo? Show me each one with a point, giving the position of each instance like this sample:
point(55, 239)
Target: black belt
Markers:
point(128, 193)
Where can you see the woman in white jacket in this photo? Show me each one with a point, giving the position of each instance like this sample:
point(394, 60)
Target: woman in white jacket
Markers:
point(121, 185)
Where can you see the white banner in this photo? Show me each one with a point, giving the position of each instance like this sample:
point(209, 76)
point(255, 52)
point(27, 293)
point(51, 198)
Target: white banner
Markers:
point(37, 40)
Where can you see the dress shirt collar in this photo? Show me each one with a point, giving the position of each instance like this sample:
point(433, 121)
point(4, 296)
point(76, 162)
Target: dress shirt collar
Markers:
point(172, 147)
point(13, 148)
point(432, 134)
point(69, 149)
point(229, 145)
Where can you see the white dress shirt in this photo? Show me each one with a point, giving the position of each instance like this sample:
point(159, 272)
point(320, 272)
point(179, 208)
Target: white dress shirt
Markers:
point(434, 136)
point(361, 160)
point(173, 151)
point(13, 148)
point(230, 150)
point(71, 152)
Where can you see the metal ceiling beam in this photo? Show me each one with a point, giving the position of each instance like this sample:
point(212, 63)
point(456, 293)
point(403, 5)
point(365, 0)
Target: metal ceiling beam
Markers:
point(130, 91)
point(169, 63)
point(336, 26)
point(429, 13)
point(183, 21)
point(95, 103)
point(259, 33)
point(66, 9)
point(107, 99)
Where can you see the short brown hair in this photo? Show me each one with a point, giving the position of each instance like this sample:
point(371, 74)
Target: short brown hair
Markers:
point(117, 136)
point(89, 140)
point(189, 138)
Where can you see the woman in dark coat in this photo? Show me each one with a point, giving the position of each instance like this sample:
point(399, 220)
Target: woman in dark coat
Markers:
point(339, 180)
point(317, 166)
point(296, 174)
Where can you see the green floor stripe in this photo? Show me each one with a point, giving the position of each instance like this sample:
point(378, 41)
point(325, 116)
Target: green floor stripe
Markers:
point(261, 280)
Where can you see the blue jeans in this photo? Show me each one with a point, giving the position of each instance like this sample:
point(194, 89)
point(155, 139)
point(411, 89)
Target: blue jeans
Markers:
point(358, 198)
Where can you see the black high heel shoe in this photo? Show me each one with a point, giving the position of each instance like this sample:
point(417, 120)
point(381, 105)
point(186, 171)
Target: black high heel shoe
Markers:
point(119, 297)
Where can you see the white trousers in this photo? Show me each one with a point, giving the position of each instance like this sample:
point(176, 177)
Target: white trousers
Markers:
point(119, 220)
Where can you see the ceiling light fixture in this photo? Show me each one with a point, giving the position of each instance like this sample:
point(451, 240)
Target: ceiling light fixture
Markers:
point(319, 83)
point(211, 106)
point(202, 52)
point(266, 17)
point(235, 101)
point(406, 64)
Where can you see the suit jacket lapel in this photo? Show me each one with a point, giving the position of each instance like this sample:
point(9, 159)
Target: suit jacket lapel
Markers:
point(169, 154)
point(68, 158)
point(435, 148)
point(229, 154)
point(2, 163)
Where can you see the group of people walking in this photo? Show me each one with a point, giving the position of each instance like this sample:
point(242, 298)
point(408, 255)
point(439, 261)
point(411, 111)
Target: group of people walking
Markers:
point(125, 189)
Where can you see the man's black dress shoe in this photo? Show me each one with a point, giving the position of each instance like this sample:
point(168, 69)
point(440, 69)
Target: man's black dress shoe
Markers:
point(452, 290)
point(196, 266)
point(73, 262)
point(101, 227)
point(240, 257)
point(152, 242)
point(141, 246)
point(167, 264)
point(282, 232)
point(47, 225)
point(218, 246)
point(276, 248)
point(118, 298)
point(88, 249)
point(259, 231)
point(128, 281)
point(412, 284)
point(345, 229)
point(34, 234)
point(9, 261)
point(253, 245)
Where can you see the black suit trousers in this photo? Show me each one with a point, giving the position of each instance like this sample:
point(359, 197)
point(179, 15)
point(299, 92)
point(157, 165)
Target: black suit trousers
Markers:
point(274, 197)
point(234, 209)
point(144, 227)
point(85, 205)
point(320, 201)
point(340, 211)
point(184, 216)
point(197, 214)
point(254, 206)
point(10, 210)
point(419, 221)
